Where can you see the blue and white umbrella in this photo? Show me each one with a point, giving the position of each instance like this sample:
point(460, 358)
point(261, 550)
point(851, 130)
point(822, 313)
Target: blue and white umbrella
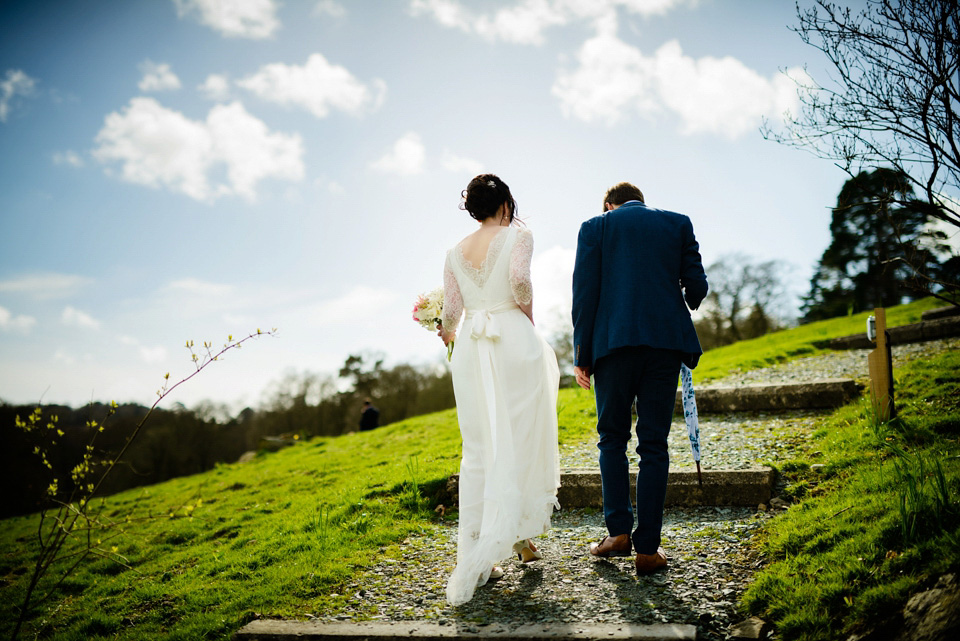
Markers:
point(690, 415)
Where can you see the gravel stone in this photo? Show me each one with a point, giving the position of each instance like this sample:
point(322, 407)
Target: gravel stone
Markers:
point(709, 566)
point(710, 557)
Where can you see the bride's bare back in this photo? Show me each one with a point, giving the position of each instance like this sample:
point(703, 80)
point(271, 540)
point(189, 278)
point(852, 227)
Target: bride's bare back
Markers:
point(476, 245)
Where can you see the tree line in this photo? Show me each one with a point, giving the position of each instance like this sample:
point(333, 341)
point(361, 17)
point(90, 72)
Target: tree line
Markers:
point(181, 441)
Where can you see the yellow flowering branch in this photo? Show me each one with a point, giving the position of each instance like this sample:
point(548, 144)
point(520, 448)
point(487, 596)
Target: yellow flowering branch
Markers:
point(73, 518)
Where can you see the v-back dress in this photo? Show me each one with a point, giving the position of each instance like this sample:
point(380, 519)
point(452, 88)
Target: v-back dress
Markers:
point(505, 379)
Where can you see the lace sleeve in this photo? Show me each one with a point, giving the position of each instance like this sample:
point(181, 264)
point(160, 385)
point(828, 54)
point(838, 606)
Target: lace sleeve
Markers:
point(452, 300)
point(520, 258)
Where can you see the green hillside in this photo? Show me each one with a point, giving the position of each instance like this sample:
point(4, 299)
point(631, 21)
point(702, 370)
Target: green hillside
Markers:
point(876, 521)
point(207, 553)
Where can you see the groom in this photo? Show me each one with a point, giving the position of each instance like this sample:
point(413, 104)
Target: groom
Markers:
point(637, 271)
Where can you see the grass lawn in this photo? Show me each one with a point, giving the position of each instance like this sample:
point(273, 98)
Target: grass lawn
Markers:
point(207, 553)
point(878, 522)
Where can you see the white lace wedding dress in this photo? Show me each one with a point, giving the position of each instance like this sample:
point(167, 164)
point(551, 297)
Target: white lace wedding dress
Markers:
point(505, 379)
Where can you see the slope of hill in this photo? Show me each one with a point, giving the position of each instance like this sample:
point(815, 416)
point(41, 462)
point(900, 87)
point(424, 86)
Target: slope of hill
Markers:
point(202, 555)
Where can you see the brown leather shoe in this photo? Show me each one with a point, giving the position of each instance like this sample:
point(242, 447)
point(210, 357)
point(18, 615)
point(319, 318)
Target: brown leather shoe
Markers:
point(650, 563)
point(612, 546)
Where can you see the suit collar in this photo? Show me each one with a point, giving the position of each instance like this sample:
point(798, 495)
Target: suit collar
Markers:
point(630, 204)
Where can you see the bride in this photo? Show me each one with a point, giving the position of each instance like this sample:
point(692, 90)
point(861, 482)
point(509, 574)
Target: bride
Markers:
point(505, 380)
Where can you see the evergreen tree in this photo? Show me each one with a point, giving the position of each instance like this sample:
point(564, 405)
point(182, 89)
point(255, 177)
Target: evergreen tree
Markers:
point(881, 241)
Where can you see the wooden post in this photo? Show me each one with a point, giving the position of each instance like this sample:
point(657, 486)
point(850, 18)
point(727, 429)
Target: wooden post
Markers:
point(880, 365)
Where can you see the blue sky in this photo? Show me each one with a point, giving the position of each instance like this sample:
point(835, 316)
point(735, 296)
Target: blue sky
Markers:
point(189, 169)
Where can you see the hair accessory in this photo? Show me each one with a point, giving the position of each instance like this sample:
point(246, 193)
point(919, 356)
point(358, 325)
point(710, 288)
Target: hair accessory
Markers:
point(490, 183)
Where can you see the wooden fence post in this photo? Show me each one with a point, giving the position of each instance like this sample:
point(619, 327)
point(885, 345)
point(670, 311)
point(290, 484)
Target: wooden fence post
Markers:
point(880, 365)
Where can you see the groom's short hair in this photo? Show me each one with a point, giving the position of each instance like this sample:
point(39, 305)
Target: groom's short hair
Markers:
point(621, 193)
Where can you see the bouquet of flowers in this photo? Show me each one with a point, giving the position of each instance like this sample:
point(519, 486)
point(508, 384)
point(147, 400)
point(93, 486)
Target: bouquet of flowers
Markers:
point(428, 311)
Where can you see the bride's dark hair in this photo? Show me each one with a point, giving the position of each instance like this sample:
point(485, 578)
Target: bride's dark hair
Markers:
point(484, 195)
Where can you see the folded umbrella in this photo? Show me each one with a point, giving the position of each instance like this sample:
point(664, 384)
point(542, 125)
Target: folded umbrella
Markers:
point(690, 415)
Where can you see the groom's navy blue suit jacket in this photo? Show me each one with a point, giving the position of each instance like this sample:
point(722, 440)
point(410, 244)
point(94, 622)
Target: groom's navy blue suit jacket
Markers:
point(637, 271)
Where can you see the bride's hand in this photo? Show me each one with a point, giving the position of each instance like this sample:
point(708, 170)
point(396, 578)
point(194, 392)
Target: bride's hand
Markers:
point(446, 336)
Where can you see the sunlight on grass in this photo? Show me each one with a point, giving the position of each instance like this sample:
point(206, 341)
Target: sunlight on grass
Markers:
point(885, 519)
point(278, 535)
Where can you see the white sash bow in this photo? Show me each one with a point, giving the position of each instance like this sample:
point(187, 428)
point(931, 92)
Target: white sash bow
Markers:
point(485, 325)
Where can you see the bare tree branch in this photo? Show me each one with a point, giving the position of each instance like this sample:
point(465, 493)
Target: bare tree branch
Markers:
point(893, 94)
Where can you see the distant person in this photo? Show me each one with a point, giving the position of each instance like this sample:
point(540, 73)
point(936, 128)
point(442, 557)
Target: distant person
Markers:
point(637, 271)
point(369, 416)
point(505, 379)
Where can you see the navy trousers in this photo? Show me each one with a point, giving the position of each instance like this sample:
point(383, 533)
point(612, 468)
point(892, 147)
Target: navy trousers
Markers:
point(649, 376)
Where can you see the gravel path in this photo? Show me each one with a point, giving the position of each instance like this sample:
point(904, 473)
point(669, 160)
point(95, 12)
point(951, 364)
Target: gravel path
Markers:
point(709, 567)
point(739, 440)
point(710, 559)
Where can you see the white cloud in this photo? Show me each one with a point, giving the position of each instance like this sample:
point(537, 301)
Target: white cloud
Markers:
point(157, 77)
point(330, 185)
point(330, 8)
point(612, 78)
point(17, 83)
point(521, 24)
point(159, 147)
point(68, 157)
point(11, 323)
point(250, 151)
point(450, 162)
point(448, 13)
point(709, 95)
point(405, 158)
point(527, 20)
point(64, 358)
point(552, 275)
point(318, 86)
point(361, 302)
point(149, 355)
point(45, 285)
point(255, 19)
point(215, 87)
point(196, 298)
point(152, 355)
point(719, 95)
point(650, 7)
point(73, 317)
point(239, 306)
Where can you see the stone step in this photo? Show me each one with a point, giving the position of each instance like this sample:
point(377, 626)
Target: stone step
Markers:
point(940, 312)
point(821, 394)
point(749, 488)
point(268, 630)
point(746, 488)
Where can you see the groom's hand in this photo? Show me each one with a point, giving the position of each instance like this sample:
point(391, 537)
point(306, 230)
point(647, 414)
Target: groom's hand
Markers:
point(583, 376)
